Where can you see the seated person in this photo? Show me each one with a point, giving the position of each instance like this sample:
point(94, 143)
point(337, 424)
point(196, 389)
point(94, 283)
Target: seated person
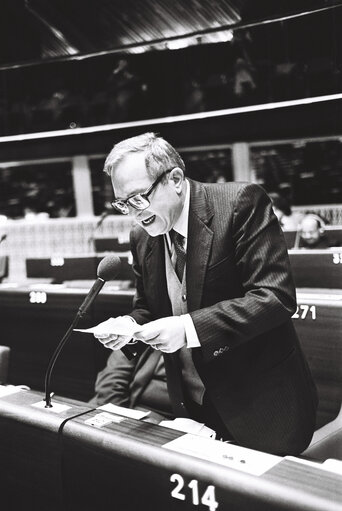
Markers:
point(282, 210)
point(312, 232)
point(139, 383)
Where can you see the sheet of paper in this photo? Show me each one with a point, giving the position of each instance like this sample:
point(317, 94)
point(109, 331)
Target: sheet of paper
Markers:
point(112, 326)
point(6, 390)
point(333, 466)
point(102, 419)
point(229, 455)
point(189, 426)
point(125, 412)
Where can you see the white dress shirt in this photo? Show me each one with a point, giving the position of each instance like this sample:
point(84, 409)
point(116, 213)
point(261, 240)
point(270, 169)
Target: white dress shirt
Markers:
point(181, 226)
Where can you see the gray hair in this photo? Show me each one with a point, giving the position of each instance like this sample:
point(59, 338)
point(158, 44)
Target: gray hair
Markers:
point(159, 154)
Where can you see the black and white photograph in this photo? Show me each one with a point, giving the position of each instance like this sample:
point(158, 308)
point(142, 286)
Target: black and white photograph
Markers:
point(171, 255)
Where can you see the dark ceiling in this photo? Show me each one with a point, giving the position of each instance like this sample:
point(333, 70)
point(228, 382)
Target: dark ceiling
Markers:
point(32, 30)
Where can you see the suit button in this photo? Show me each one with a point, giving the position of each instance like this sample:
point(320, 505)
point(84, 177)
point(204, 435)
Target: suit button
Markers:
point(216, 353)
point(184, 298)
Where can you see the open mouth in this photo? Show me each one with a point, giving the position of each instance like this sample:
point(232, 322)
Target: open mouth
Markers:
point(149, 220)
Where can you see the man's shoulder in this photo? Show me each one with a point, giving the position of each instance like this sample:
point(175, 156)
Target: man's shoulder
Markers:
point(231, 190)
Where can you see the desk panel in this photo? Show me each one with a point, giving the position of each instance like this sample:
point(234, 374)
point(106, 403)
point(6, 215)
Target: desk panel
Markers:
point(126, 465)
point(318, 323)
point(317, 268)
point(56, 460)
point(30, 467)
point(33, 321)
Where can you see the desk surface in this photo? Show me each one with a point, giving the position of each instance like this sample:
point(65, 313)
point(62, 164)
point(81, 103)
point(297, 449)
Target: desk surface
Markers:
point(131, 464)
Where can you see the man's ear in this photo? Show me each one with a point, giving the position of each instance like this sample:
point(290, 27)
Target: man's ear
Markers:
point(177, 176)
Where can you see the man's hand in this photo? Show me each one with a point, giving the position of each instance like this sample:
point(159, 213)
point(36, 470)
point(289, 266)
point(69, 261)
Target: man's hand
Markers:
point(115, 333)
point(165, 334)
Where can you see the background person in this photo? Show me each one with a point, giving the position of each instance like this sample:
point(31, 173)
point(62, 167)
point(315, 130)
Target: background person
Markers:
point(312, 232)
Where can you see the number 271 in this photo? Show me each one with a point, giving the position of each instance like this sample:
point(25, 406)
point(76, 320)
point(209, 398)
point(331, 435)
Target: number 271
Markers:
point(302, 312)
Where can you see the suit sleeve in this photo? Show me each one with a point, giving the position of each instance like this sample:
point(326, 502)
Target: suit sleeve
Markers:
point(262, 263)
point(113, 382)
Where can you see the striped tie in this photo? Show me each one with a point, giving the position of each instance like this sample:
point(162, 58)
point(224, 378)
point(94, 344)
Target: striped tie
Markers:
point(178, 242)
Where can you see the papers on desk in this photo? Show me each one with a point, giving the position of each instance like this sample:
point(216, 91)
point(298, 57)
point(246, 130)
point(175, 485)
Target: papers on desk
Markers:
point(112, 326)
point(6, 390)
point(333, 466)
point(189, 426)
point(103, 419)
point(125, 412)
point(229, 455)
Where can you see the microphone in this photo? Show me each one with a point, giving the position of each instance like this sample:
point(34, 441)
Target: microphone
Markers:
point(108, 269)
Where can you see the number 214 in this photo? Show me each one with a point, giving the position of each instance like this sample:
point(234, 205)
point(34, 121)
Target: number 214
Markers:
point(207, 499)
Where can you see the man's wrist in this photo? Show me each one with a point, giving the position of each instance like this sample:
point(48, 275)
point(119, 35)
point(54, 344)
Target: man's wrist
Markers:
point(131, 341)
point(191, 337)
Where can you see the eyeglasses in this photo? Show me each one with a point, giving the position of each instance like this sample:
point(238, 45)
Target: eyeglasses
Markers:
point(138, 201)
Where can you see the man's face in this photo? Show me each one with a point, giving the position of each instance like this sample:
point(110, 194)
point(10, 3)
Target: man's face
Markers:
point(310, 231)
point(166, 200)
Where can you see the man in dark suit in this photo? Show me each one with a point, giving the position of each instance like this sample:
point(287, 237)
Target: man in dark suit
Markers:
point(214, 293)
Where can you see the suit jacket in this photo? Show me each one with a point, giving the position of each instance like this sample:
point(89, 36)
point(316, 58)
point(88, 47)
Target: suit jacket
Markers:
point(241, 297)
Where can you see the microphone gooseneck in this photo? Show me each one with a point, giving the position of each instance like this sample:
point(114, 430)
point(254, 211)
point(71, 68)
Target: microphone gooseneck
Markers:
point(108, 269)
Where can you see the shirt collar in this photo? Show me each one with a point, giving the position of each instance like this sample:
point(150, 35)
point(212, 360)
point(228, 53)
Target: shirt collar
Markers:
point(181, 226)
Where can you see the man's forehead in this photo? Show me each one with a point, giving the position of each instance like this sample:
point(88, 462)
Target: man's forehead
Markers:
point(132, 165)
point(130, 176)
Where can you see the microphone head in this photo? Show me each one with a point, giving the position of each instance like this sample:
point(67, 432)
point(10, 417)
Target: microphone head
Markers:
point(109, 267)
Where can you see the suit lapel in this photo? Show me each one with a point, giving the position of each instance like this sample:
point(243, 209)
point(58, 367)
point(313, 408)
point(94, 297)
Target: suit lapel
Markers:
point(155, 268)
point(200, 238)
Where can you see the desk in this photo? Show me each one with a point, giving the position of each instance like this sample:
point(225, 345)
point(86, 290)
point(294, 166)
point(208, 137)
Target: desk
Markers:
point(34, 319)
point(30, 468)
point(128, 465)
point(318, 323)
point(46, 312)
point(317, 268)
